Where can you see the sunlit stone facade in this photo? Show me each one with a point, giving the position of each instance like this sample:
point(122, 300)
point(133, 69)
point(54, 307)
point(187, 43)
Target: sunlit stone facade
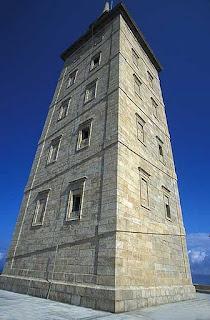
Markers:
point(100, 224)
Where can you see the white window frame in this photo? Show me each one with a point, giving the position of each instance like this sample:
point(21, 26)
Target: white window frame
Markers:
point(73, 73)
point(37, 206)
point(92, 66)
point(87, 89)
point(74, 186)
point(82, 126)
point(60, 115)
point(51, 149)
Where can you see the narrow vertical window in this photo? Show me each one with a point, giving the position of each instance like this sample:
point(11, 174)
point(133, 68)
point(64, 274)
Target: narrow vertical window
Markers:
point(53, 150)
point(40, 208)
point(151, 79)
point(63, 111)
point(144, 193)
point(72, 78)
point(160, 149)
point(166, 200)
point(90, 92)
point(137, 85)
point(167, 207)
point(95, 61)
point(155, 108)
point(135, 58)
point(140, 128)
point(144, 188)
point(84, 133)
point(75, 200)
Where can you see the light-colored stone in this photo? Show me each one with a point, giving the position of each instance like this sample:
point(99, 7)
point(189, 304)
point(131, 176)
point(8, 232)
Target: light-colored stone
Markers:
point(122, 254)
point(15, 306)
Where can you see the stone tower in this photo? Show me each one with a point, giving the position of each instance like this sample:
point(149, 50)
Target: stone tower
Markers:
point(100, 224)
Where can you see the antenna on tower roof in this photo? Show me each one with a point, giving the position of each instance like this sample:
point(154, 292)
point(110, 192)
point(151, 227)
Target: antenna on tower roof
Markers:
point(106, 7)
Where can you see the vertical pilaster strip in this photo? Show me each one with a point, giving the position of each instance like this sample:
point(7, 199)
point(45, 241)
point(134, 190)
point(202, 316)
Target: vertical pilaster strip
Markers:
point(102, 163)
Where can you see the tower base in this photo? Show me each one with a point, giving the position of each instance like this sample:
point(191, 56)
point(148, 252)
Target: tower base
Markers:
point(104, 298)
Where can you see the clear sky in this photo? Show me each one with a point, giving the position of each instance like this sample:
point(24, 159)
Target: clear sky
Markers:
point(34, 33)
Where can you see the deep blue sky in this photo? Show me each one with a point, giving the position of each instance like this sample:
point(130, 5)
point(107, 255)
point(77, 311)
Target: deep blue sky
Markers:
point(34, 33)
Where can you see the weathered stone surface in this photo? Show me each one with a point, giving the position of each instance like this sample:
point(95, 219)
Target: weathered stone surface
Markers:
point(14, 306)
point(122, 254)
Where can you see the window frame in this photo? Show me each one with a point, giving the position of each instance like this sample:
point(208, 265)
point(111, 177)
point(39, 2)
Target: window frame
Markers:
point(145, 176)
point(88, 86)
point(135, 58)
point(67, 109)
point(74, 186)
point(156, 108)
point(160, 147)
point(82, 126)
point(75, 72)
point(50, 153)
point(98, 38)
point(166, 194)
point(139, 84)
point(140, 121)
point(150, 79)
point(92, 67)
point(36, 212)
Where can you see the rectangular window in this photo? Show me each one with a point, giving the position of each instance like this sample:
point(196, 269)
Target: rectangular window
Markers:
point(75, 200)
point(135, 58)
point(167, 207)
point(151, 79)
point(90, 92)
point(155, 108)
point(144, 193)
point(97, 39)
point(95, 61)
point(53, 150)
point(137, 85)
point(160, 149)
point(144, 188)
point(72, 78)
point(140, 128)
point(166, 201)
point(40, 208)
point(63, 111)
point(84, 135)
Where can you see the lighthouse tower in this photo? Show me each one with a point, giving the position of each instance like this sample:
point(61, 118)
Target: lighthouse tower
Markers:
point(100, 223)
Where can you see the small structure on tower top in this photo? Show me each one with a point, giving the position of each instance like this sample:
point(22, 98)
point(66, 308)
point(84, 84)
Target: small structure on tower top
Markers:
point(106, 7)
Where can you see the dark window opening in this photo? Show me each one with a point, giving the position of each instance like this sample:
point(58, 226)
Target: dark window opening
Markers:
point(168, 211)
point(76, 203)
point(160, 150)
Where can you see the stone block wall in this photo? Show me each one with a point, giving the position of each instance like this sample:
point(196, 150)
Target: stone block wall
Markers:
point(80, 252)
point(151, 249)
point(120, 255)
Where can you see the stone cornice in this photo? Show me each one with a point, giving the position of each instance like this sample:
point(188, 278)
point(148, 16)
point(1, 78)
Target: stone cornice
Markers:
point(105, 18)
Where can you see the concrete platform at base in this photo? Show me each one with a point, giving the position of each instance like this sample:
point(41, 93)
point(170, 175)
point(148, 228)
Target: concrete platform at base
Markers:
point(106, 298)
point(14, 306)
